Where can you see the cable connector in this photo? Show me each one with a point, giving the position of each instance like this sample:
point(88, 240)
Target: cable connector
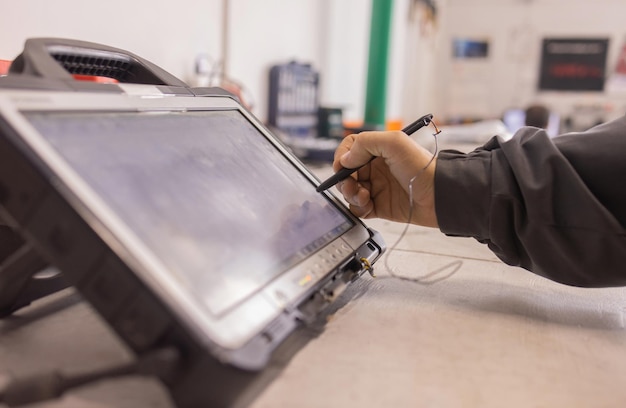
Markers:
point(368, 266)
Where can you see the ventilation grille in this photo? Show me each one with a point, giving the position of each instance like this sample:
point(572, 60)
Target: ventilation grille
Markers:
point(118, 69)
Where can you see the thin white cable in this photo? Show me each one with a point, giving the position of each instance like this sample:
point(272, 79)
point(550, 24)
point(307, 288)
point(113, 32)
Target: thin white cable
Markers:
point(429, 278)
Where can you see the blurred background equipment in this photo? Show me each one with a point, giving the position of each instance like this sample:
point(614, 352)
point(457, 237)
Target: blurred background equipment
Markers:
point(293, 99)
point(295, 116)
point(535, 115)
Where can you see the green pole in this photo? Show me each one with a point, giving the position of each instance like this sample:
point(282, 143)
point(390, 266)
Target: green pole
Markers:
point(376, 92)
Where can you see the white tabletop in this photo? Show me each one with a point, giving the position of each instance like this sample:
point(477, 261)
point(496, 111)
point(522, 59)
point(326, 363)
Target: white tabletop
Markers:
point(489, 335)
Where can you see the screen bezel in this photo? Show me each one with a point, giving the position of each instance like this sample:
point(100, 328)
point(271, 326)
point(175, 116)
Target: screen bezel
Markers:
point(235, 328)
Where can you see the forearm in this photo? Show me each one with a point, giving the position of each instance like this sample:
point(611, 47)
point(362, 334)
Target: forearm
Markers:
point(540, 205)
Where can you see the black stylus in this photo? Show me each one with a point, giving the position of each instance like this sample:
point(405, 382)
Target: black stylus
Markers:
point(345, 173)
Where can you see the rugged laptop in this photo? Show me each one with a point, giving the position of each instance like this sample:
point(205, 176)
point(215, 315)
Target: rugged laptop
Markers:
point(173, 211)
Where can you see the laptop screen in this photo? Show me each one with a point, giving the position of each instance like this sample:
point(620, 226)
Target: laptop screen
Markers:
point(221, 208)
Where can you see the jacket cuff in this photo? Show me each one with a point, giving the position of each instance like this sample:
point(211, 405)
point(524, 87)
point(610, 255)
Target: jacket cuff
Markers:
point(463, 193)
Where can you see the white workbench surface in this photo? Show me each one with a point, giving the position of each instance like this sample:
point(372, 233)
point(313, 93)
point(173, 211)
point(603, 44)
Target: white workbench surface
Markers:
point(487, 336)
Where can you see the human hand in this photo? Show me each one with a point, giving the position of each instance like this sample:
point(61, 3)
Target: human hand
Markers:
point(380, 189)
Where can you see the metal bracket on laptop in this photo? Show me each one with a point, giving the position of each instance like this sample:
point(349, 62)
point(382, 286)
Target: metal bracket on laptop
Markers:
point(23, 274)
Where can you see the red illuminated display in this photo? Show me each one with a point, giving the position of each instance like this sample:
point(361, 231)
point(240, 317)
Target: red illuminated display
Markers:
point(574, 70)
point(573, 64)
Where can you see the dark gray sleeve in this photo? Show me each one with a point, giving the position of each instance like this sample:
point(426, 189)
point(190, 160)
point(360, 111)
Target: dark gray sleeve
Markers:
point(556, 207)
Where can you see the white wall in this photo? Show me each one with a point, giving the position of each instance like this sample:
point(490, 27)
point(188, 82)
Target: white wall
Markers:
point(173, 34)
point(515, 29)
point(344, 65)
point(267, 32)
point(169, 34)
point(344, 57)
point(333, 35)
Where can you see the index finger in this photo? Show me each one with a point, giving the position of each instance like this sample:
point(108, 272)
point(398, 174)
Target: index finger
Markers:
point(343, 148)
point(370, 144)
